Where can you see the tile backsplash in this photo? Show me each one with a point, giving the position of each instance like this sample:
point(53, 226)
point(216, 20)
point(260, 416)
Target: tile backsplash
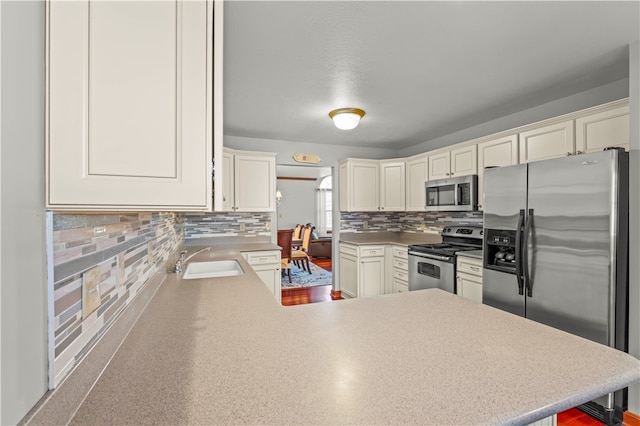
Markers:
point(427, 222)
point(214, 225)
point(99, 263)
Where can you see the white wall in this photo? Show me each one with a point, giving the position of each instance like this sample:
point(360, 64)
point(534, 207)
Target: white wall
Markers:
point(299, 202)
point(23, 336)
point(634, 216)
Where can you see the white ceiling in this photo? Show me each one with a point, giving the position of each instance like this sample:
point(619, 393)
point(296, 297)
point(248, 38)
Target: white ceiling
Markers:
point(420, 69)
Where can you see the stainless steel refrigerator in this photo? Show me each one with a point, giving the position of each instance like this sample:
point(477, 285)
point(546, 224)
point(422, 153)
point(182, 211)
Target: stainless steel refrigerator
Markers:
point(556, 249)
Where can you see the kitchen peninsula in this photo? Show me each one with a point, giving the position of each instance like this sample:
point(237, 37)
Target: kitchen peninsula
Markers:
point(223, 351)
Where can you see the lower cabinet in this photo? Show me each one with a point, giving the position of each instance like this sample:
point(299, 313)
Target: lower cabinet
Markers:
point(362, 270)
point(469, 278)
point(400, 278)
point(266, 264)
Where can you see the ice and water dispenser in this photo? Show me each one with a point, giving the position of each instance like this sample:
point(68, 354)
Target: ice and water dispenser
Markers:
point(500, 250)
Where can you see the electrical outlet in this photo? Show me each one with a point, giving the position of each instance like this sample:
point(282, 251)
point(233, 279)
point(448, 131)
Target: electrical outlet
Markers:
point(365, 224)
point(99, 230)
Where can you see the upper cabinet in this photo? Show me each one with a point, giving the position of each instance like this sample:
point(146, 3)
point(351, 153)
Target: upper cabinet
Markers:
point(129, 104)
point(417, 174)
point(556, 140)
point(392, 185)
point(603, 129)
point(359, 185)
point(249, 181)
point(372, 185)
point(457, 162)
point(495, 153)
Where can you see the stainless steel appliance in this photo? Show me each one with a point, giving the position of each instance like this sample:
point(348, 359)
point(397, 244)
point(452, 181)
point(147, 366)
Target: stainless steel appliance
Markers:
point(434, 265)
point(555, 249)
point(452, 194)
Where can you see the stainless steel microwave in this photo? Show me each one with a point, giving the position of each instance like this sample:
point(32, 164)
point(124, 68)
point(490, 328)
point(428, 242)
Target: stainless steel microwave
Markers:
point(452, 194)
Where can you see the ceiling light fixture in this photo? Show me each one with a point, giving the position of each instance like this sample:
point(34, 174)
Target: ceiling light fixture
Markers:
point(346, 118)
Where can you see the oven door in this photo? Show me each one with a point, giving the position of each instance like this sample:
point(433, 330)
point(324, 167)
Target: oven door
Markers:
point(431, 271)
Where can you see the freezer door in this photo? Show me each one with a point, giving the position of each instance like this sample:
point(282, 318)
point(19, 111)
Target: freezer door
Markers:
point(570, 248)
point(504, 196)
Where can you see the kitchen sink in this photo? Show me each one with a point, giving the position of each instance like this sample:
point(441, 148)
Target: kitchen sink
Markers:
point(212, 269)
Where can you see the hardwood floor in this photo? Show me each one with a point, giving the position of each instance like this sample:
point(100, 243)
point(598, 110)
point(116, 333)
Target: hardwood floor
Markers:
point(313, 294)
point(575, 417)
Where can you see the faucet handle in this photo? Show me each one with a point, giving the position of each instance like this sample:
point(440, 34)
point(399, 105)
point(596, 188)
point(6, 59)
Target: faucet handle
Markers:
point(183, 254)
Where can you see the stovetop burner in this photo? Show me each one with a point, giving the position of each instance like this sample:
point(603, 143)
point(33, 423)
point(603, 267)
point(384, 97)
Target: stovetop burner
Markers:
point(455, 239)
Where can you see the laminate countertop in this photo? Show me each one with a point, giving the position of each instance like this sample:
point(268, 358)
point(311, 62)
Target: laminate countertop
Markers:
point(398, 238)
point(223, 351)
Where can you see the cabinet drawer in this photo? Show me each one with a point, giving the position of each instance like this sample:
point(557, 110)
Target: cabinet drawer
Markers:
point(348, 249)
point(469, 265)
point(400, 286)
point(400, 274)
point(371, 251)
point(401, 264)
point(262, 257)
point(401, 252)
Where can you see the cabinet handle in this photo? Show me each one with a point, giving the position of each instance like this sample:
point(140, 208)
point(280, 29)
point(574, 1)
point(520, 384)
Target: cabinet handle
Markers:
point(474, 268)
point(224, 197)
point(479, 206)
point(578, 152)
point(569, 153)
point(448, 174)
point(381, 208)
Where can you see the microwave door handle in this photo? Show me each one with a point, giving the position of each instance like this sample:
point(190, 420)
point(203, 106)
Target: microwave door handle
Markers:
point(456, 196)
point(519, 258)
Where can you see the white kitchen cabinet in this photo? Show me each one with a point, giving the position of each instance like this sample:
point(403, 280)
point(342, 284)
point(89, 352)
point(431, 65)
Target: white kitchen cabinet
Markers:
point(362, 270)
point(469, 277)
point(266, 264)
point(417, 174)
point(495, 153)
point(603, 129)
point(129, 104)
point(457, 162)
point(372, 185)
point(249, 181)
point(392, 185)
point(552, 141)
point(400, 259)
point(359, 185)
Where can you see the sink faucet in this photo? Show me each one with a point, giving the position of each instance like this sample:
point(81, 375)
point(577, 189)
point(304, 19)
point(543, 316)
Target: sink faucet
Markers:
point(183, 259)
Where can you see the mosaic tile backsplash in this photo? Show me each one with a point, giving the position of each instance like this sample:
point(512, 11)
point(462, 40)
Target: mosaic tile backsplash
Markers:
point(99, 263)
point(209, 225)
point(427, 222)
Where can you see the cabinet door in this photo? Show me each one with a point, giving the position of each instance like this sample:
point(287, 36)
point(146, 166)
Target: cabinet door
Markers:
point(254, 185)
point(417, 175)
point(598, 131)
point(496, 153)
point(371, 276)
point(552, 141)
point(348, 275)
point(464, 161)
point(270, 276)
point(469, 287)
point(227, 181)
point(129, 105)
point(360, 186)
point(392, 186)
point(440, 166)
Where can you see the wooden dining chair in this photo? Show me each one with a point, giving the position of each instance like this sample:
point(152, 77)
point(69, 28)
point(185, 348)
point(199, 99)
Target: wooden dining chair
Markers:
point(284, 241)
point(301, 256)
point(297, 238)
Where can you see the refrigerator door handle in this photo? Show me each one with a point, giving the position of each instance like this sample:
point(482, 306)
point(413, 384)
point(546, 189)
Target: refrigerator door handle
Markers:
point(525, 257)
point(519, 258)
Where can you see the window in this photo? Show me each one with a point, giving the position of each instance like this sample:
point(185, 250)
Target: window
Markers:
point(325, 208)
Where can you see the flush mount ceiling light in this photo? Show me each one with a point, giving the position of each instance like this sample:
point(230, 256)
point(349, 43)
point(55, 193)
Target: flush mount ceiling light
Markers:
point(346, 118)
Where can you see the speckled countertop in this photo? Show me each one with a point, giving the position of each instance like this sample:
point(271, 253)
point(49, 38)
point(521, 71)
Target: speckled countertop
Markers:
point(399, 238)
point(223, 351)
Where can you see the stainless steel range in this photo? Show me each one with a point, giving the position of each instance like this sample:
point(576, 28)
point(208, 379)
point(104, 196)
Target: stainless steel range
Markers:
point(434, 265)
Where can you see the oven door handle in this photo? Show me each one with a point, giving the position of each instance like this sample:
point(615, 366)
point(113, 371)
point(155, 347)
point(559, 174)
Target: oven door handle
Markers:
point(430, 256)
